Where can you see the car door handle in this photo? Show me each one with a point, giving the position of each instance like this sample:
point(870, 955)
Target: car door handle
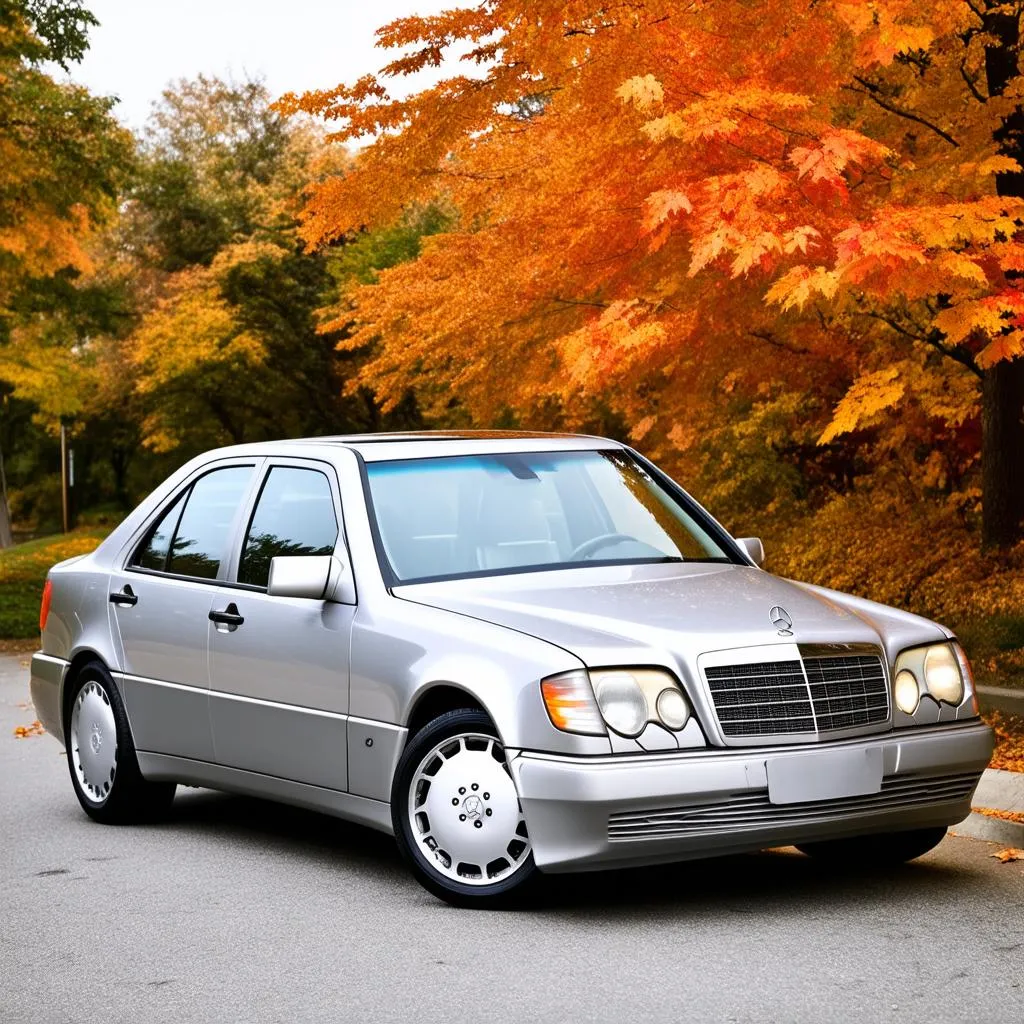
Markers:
point(228, 617)
point(125, 596)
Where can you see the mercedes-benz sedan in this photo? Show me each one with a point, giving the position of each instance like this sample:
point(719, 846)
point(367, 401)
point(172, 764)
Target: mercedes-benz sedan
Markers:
point(516, 652)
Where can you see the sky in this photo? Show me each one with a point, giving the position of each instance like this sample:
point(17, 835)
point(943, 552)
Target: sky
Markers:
point(295, 45)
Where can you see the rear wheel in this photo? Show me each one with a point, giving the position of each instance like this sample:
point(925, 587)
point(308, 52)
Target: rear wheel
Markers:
point(876, 850)
point(101, 756)
point(456, 813)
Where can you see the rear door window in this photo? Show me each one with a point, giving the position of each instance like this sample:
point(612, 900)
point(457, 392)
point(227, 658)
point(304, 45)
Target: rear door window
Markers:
point(152, 554)
point(191, 537)
point(294, 515)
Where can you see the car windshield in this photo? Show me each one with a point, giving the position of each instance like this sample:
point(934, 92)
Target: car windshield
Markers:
point(484, 515)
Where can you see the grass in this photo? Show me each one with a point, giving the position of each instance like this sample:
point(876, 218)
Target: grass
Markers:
point(23, 571)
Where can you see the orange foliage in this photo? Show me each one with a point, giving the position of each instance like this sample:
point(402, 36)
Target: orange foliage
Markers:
point(658, 203)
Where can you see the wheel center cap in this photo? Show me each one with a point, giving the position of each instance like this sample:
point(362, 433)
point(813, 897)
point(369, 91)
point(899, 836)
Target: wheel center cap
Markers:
point(472, 807)
point(96, 739)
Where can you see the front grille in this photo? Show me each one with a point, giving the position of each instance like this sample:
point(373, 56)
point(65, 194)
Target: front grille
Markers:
point(749, 811)
point(847, 691)
point(761, 699)
point(774, 698)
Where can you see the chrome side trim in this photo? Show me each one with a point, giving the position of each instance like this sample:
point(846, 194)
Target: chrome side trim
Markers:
point(374, 813)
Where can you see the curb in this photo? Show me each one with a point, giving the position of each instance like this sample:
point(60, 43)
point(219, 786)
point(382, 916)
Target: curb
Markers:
point(1001, 791)
point(1001, 698)
point(995, 830)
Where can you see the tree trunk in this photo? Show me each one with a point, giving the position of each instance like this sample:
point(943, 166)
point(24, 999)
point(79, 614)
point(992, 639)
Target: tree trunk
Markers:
point(1002, 417)
point(1002, 453)
point(6, 538)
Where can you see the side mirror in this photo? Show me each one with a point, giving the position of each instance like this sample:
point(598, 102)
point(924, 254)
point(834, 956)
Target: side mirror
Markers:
point(753, 549)
point(310, 576)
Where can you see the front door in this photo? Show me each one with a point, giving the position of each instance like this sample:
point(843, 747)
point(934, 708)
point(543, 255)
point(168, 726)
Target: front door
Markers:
point(279, 665)
point(160, 603)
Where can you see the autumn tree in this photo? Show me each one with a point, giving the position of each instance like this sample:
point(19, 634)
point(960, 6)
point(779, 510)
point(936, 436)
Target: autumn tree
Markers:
point(62, 161)
point(654, 198)
point(226, 348)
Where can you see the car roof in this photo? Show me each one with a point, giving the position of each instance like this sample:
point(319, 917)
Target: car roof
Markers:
point(384, 447)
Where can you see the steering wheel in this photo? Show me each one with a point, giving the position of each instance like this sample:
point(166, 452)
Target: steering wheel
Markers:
point(588, 547)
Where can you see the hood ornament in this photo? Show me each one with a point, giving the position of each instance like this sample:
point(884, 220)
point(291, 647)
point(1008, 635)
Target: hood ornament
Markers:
point(781, 620)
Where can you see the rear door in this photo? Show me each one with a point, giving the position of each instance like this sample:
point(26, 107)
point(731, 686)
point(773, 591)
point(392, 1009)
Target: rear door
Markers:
point(279, 666)
point(160, 602)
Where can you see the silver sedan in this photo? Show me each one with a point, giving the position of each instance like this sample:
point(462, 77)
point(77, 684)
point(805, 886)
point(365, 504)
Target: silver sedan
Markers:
point(515, 652)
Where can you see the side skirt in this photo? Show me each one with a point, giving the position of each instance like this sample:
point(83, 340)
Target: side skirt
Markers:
point(163, 767)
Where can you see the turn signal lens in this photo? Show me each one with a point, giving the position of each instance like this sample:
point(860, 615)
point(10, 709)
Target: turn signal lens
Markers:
point(44, 606)
point(906, 692)
point(942, 675)
point(570, 702)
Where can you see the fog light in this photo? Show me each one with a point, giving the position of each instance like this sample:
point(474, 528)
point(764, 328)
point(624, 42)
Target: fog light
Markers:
point(673, 710)
point(906, 692)
point(942, 675)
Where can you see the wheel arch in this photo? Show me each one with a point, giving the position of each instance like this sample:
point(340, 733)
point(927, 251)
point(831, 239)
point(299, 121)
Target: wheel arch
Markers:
point(436, 699)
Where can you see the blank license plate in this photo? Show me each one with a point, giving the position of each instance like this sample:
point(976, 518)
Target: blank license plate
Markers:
point(824, 775)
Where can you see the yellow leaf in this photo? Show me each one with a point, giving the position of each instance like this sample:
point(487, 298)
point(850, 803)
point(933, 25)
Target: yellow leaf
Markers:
point(999, 165)
point(870, 393)
point(661, 205)
point(643, 91)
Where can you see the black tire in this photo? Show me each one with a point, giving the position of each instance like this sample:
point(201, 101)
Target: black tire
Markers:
point(128, 797)
point(881, 850)
point(504, 893)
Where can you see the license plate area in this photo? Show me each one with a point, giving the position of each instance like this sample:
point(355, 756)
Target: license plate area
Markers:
point(824, 775)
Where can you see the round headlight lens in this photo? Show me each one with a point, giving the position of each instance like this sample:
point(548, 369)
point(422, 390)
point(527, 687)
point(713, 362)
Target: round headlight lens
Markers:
point(622, 703)
point(673, 710)
point(906, 692)
point(942, 675)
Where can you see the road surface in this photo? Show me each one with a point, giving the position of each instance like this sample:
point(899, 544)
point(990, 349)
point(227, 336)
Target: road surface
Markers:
point(235, 910)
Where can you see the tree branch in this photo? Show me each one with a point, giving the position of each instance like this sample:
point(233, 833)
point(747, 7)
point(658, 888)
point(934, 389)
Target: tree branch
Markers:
point(970, 82)
point(770, 338)
point(872, 92)
point(934, 338)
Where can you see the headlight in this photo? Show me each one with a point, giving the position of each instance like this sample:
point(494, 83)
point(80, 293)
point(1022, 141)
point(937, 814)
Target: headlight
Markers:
point(942, 675)
point(626, 699)
point(629, 698)
point(673, 709)
point(939, 670)
point(906, 692)
point(622, 702)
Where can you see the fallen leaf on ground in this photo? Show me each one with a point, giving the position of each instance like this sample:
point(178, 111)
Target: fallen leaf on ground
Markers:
point(1009, 752)
point(22, 732)
point(994, 812)
point(1011, 853)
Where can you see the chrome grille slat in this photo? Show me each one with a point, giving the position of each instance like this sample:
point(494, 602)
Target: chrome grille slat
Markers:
point(818, 695)
point(746, 811)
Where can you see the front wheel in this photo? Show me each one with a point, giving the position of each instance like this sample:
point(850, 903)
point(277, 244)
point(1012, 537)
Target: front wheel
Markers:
point(101, 755)
point(456, 813)
point(886, 848)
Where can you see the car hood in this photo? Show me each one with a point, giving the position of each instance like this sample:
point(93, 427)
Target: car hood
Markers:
point(680, 610)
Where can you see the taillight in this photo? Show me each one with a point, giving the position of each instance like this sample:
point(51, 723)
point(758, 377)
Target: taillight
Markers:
point(44, 607)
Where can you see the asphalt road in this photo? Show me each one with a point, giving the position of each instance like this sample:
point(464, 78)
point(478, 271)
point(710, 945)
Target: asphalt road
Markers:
point(235, 910)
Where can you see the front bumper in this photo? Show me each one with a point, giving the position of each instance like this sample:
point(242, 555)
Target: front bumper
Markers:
point(589, 813)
